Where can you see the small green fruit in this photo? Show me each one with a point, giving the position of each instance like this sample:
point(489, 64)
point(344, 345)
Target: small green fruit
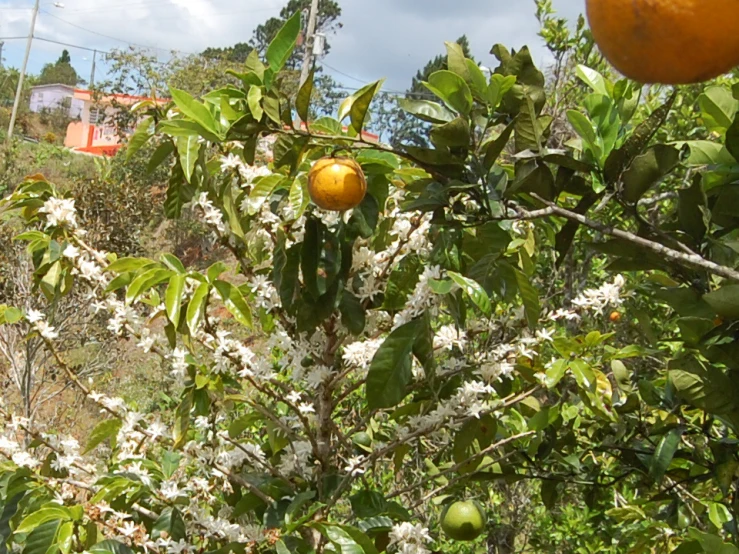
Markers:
point(463, 521)
point(362, 441)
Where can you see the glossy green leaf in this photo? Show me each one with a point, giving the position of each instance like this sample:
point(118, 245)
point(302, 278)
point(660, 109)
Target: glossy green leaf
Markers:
point(173, 297)
point(196, 307)
point(474, 291)
point(594, 80)
point(530, 297)
point(390, 370)
point(718, 108)
point(234, 301)
point(170, 522)
point(195, 110)
point(139, 137)
point(648, 169)
point(103, 431)
point(725, 301)
point(302, 102)
point(452, 89)
point(254, 99)
point(188, 149)
point(282, 46)
point(426, 110)
point(663, 454)
point(263, 189)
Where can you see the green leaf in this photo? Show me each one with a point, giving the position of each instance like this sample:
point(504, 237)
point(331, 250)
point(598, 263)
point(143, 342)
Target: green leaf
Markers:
point(357, 105)
point(725, 301)
point(302, 102)
point(719, 514)
point(718, 108)
point(235, 302)
point(353, 316)
point(619, 159)
point(170, 463)
point(474, 290)
point(426, 110)
point(170, 522)
point(104, 430)
point(586, 130)
point(456, 61)
point(494, 147)
point(173, 297)
point(390, 370)
point(193, 109)
point(65, 536)
point(145, 281)
point(140, 137)
point(692, 202)
point(196, 308)
point(263, 189)
point(282, 46)
point(44, 515)
point(182, 419)
point(455, 134)
point(124, 265)
point(188, 149)
point(12, 315)
point(663, 454)
point(555, 373)
point(530, 297)
point(298, 198)
point(110, 547)
point(583, 373)
point(452, 89)
point(648, 169)
point(43, 539)
point(706, 152)
point(594, 80)
point(706, 388)
point(622, 375)
point(254, 99)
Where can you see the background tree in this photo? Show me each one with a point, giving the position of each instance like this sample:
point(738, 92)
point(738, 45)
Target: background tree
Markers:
point(59, 72)
point(327, 22)
point(403, 128)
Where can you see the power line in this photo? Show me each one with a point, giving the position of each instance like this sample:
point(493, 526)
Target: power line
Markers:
point(110, 37)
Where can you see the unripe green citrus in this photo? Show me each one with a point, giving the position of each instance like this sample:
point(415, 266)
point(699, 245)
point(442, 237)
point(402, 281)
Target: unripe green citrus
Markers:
point(463, 521)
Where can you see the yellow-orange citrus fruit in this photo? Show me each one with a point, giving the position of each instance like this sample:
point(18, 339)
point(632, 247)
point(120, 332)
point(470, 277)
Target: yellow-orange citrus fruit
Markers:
point(615, 317)
point(667, 41)
point(336, 184)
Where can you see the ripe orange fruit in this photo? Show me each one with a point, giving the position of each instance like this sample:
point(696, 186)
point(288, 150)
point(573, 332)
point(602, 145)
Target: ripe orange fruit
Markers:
point(615, 317)
point(463, 521)
point(667, 41)
point(336, 184)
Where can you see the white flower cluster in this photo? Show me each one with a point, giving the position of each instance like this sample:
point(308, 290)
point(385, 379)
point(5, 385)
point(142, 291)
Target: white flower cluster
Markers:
point(38, 320)
point(410, 539)
point(609, 294)
point(247, 172)
point(422, 298)
point(211, 215)
point(359, 354)
point(60, 212)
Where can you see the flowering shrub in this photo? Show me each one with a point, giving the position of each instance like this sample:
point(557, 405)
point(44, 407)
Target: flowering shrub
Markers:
point(346, 375)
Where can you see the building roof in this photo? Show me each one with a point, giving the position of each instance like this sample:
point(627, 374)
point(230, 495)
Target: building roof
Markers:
point(50, 85)
point(83, 94)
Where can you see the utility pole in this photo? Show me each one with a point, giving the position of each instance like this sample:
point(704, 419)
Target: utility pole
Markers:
point(22, 76)
point(2, 43)
point(309, 39)
point(92, 73)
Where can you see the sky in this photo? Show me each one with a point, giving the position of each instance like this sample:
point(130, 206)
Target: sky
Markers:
point(379, 38)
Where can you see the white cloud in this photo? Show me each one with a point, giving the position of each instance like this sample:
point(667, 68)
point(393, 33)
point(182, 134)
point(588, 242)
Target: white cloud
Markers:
point(380, 38)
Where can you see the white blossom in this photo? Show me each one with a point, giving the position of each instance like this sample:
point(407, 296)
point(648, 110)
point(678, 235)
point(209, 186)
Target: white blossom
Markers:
point(60, 212)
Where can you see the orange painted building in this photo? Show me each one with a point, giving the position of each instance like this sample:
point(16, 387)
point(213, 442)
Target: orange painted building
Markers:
point(93, 133)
